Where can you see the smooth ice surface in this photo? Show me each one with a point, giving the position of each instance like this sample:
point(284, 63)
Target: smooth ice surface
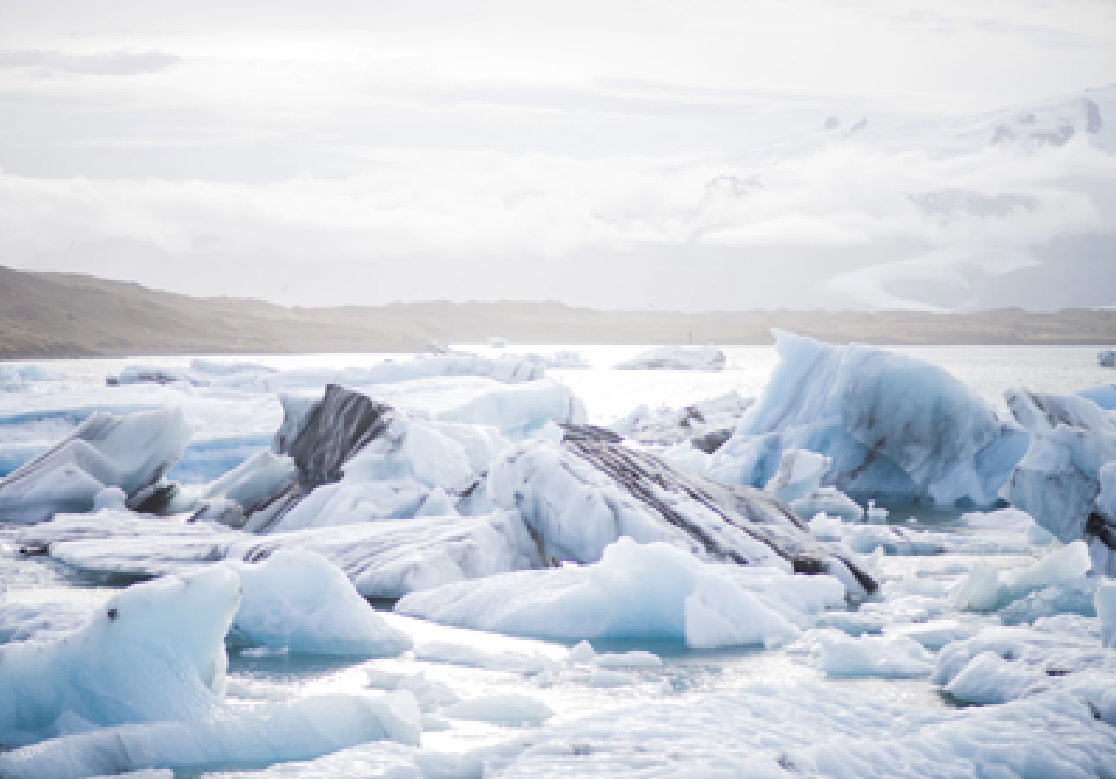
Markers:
point(893, 426)
point(648, 590)
point(1103, 395)
point(298, 600)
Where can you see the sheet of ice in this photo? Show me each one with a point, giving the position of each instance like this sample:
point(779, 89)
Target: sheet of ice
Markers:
point(155, 652)
point(676, 358)
point(298, 730)
point(510, 709)
point(636, 590)
point(131, 452)
point(1058, 482)
point(894, 426)
point(298, 600)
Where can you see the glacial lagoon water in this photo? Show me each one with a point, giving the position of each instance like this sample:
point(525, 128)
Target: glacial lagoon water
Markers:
point(916, 588)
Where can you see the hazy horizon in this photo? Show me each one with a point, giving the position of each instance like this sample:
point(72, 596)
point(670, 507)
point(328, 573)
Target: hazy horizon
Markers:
point(693, 157)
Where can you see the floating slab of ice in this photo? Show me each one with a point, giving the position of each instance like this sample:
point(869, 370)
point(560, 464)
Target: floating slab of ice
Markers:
point(636, 590)
point(676, 358)
point(894, 426)
point(131, 452)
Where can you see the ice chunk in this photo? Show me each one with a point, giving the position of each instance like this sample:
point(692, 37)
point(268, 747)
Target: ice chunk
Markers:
point(1107, 358)
point(828, 500)
point(153, 374)
point(637, 590)
point(1106, 611)
point(1104, 396)
point(1059, 481)
point(634, 659)
point(581, 495)
point(154, 652)
point(472, 657)
point(521, 409)
point(508, 709)
point(254, 483)
point(841, 655)
point(667, 426)
point(299, 600)
point(988, 678)
point(800, 473)
point(131, 452)
point(983, 589)
point(825, 527)
point(894, 426)
point(676, 358)
point(877, 515)
point(431, 695)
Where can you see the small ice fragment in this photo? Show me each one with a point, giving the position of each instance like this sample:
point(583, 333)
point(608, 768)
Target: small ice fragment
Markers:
point(582, 653)
point(510, 709)
point(876, 515)
point(634, 659)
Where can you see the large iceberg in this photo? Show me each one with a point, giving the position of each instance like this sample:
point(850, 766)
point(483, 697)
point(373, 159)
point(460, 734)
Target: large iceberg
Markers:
point(676, 358)
point(1067, 480)
point(130, 452)
point(894, 426)
point(636, 590)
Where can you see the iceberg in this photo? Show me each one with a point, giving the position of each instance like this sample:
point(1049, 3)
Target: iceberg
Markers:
point(518, 410)
point(894, 427)
point(1104, 396)
point(297, 600)
point(130, 452)
point(676, 358)
point(636, 590)
point(705, 423)
point(154, 652)
point(582, 494)
point(1107, 358)
point(1067, 480)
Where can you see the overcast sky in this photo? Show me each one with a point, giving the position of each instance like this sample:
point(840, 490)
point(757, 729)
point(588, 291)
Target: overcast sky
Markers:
point(672, 154)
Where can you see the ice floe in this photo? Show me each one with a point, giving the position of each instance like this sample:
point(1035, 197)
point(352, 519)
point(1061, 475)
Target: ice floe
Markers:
point(894, 426)
point(676, 358)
